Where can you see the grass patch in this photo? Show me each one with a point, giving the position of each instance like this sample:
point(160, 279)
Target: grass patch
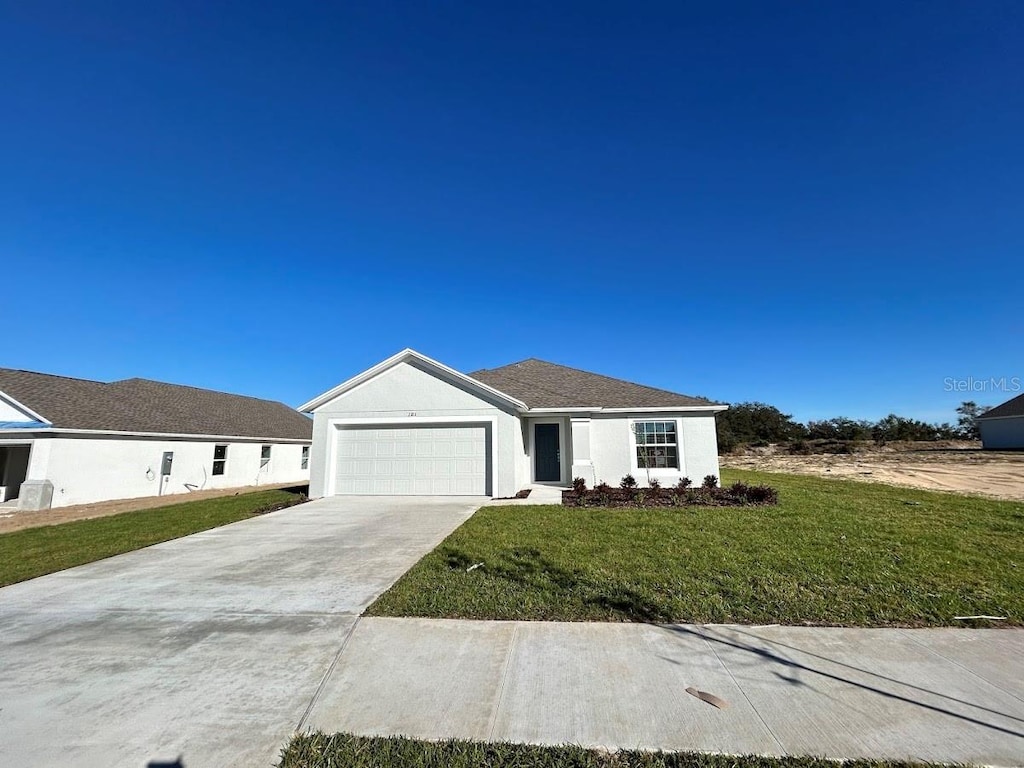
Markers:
point(833, 552)
point(35, 552)
point(319, 750)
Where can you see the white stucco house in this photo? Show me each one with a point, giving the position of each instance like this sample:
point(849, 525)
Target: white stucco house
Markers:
point(412, 425)
point(70, 441)
point(1002, 427)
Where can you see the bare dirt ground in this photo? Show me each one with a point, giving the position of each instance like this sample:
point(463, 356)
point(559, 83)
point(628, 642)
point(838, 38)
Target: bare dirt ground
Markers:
point(13, 520)
point(958, 467)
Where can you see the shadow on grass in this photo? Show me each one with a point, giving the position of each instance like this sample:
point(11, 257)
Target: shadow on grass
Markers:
point(528, 569)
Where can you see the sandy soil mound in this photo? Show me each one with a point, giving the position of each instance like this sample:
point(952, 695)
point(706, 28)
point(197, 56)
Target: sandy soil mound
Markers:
point(956, 467)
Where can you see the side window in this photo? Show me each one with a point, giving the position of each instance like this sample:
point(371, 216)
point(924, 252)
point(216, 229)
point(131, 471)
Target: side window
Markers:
point(656, 445)
point(264, 456)
point(305, 457)
point(220, 459)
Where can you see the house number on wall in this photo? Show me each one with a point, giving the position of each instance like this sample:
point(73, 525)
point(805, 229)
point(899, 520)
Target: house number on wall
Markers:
point(412, 413)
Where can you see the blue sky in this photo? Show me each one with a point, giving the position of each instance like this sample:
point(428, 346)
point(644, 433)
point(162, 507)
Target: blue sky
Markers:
point(819, 206)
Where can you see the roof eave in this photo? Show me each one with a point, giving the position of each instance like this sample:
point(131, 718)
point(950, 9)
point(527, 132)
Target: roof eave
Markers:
point(48, 431)
point(712, 408)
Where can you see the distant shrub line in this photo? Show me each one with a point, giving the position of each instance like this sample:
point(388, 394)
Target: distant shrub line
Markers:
point(759, 424)
point(682, 494)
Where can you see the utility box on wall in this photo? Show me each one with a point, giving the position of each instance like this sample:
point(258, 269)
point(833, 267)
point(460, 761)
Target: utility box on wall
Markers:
point(166, 462)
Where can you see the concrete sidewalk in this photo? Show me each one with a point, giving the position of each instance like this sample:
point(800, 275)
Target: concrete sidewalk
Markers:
point(929, 694)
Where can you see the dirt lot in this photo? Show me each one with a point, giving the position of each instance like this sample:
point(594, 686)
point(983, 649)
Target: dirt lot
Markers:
point(12, 520)
point(955, 467)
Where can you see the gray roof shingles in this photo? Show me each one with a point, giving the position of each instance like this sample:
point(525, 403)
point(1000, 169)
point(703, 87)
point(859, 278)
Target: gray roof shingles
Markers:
point(141, 405)
point(1014, 407)
point(540, 384)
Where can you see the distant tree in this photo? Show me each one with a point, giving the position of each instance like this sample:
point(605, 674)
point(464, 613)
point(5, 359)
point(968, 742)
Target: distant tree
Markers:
point(968, 420)
point(840, 428)
point(755, 424)
point(897, 428)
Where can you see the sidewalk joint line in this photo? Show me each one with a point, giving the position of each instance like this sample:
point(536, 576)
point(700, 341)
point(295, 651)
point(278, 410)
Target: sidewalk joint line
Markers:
point(501, 686)
point(323, 682)
point(743, 693)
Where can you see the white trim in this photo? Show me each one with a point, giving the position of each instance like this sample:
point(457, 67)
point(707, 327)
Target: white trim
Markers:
point(674, 409)
point(658, 409)
point(53, 431)
point(25, 408)
point(573, 409)
point(404, 356)
point(334, 427)
point(563, 455)
point(997, 418)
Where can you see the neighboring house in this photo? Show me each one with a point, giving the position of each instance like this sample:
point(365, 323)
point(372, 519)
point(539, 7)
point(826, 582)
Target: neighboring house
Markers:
point(1002, 427)
point(72, 441)
point(411, 425)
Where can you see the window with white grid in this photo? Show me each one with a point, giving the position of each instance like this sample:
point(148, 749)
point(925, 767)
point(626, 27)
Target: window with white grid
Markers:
point(657, 445)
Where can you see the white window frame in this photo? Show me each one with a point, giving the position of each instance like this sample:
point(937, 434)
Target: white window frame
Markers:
point(634, 445)
point(265, 459)
point(304, 460)
point(223, 462)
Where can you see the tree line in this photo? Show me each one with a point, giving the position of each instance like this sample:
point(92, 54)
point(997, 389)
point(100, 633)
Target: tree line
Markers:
point(762, 424)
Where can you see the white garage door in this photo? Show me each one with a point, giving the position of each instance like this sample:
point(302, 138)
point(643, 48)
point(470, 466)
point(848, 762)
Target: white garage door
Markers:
point(422, 460)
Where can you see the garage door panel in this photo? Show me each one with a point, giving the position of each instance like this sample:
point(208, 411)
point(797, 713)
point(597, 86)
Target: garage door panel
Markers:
point(425, 460)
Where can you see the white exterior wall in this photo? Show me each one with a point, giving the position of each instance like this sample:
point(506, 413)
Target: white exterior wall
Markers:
point(89, 469)
point(613, 448)
point(1002, 434)
point(408, 395)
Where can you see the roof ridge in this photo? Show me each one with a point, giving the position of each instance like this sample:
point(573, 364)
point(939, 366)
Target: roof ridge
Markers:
point(603, 376)
point(535, 384)
point(53, 375)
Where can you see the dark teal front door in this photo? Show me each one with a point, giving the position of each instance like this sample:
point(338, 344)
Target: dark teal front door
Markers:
point(547, 461)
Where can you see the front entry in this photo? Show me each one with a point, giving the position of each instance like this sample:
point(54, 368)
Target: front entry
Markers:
point(547, 460)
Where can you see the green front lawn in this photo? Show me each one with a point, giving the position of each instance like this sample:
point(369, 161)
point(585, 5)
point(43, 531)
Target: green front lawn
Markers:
point(318, 750)
point(37, 551)
point(832, 552)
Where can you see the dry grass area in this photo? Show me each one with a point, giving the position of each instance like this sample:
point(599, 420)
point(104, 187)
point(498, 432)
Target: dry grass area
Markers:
point(956, 467)
point(13, 520)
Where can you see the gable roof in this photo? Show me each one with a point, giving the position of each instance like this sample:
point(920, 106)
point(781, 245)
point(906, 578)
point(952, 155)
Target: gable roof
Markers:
point(439, 370)
point(1014, 407)
point(141, 405)
point(548, 385)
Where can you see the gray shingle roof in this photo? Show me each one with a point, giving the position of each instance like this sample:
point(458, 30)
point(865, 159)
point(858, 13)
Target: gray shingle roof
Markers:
point(140, 405)
point(1014, 407)
point(540, 384)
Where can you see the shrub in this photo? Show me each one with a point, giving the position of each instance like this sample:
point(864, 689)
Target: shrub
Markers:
point(683, 484)
point(762, 494)
point(710, 481)
point(579, 485)
point(736, 495)
point(628, 482)
point(739, 490)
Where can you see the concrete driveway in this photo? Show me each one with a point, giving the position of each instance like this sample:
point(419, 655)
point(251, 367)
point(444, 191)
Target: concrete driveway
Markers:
point(209, 648)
